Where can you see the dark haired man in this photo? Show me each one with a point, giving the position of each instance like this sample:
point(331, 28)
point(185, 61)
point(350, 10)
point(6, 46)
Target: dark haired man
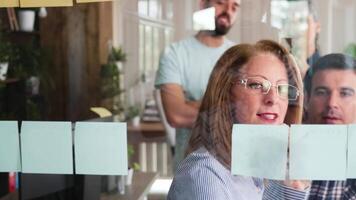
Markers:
point(330, 86)
point(185, 67)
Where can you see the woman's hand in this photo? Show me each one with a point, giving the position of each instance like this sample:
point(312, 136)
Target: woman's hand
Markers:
point(301, 185)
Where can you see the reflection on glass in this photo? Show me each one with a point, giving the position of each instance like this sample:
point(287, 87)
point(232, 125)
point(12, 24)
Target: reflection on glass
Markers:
point(142, 48)
point(143, 7)
point(168, 36)
point(291, 17)
point(148, 49)
point(154, 8)
point(156, 47)
point(169, 11)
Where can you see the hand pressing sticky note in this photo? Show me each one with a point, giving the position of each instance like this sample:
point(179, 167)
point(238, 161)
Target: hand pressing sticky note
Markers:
point(351, 152)
point(260, 151)
point(318, 152)
point(45, 3)
point(46, 147)
point(100, 148)
point(9, 147)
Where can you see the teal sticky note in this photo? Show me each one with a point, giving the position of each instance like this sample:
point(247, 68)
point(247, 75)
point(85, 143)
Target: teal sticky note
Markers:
point(260, 151)
point(46, 147)
point(9, 147)
point(318, 152)
point(100, 148)
point(351, 152)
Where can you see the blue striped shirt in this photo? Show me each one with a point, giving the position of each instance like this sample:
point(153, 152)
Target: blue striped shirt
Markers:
point(201, 177)
point(277, 191)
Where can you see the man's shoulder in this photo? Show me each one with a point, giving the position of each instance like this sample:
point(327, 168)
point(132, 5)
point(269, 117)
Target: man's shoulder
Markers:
point(183, 43)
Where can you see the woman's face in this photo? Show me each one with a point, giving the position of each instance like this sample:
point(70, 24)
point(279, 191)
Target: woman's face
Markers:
point(254, 105)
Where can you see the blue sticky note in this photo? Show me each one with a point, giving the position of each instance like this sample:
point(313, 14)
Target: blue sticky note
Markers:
point(260, 151)
point(46, 147)
point(100, 148)
point(318, 152)
point(9, 147)
point(351, 152)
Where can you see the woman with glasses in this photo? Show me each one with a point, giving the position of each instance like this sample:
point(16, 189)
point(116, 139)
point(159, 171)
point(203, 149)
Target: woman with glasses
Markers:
point(250, 84)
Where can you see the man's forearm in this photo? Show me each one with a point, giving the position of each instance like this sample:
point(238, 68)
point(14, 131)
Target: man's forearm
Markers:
point(185, 115)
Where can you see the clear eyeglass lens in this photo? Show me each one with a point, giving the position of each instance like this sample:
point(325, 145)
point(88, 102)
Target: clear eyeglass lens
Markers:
point(263, 86)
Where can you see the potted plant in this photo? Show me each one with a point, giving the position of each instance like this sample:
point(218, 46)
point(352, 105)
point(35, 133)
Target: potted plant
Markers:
point(118, 56)
point(133, 114)
point(27, 17)
point(110, 88)
point(127, 180)
point(351, 50)
point(5, 55)
point(133, 167)
point(27, 65)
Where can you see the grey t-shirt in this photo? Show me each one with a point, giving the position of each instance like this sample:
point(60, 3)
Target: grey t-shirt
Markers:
point(189, 64)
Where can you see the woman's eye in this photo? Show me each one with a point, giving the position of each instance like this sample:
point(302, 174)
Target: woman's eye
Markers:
point(255, 85)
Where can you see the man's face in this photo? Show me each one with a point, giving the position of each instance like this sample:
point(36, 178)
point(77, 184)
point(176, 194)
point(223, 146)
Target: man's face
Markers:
point(332, 99)
point(225, 14)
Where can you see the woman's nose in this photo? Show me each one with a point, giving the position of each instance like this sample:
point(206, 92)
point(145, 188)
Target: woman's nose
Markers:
point(271, 96)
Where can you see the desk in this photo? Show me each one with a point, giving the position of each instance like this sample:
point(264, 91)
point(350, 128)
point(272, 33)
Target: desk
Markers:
point(138, 190)
point(146, 132)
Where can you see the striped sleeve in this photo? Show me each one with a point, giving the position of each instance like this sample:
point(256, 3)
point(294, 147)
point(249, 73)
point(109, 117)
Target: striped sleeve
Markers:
point(274, 190)
point(201, 185)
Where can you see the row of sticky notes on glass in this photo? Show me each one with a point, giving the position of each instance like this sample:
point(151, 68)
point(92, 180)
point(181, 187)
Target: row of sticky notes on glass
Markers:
point(100, 148)
point(43, 3)
point(316, 152)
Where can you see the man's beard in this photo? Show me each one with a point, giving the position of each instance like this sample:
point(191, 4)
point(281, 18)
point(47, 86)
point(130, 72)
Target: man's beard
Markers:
point(221, 30)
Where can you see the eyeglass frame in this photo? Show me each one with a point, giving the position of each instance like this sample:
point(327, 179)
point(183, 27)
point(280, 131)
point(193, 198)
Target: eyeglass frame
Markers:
point(243, 81)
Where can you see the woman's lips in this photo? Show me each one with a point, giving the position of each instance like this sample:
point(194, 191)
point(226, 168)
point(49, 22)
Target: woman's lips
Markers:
point(268, 117)
point(331, 119)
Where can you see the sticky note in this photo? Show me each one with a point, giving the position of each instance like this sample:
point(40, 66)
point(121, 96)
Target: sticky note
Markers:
point(260, 151)
point(9, 3)
point(91, 1)
point(46, 147)
point(318, 152)
point(204, 19)
point(100, 148)
point(45, 3)
point(9, 147)
point(101, 111)
point(351, 152)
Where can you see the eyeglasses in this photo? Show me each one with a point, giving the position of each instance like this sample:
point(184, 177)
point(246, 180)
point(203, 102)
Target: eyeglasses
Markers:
point(259, 85)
